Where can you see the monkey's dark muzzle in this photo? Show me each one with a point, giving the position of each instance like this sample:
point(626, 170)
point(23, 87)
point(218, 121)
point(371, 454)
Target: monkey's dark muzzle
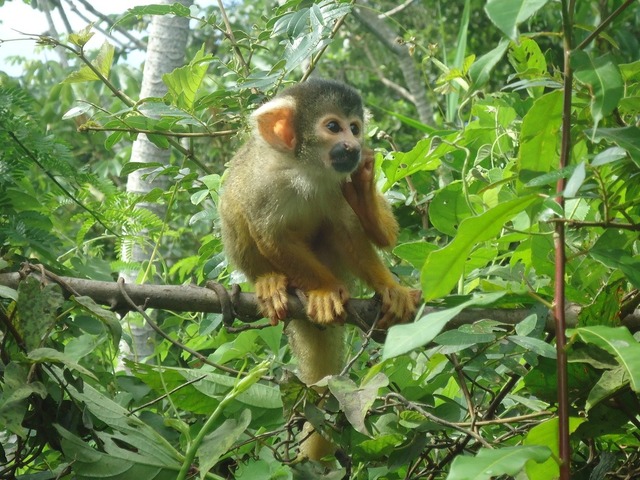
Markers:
point(344, 158)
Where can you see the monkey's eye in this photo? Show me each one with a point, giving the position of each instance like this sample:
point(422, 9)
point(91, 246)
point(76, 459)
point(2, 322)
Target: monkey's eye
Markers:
point(355, 129)
point(333, 126)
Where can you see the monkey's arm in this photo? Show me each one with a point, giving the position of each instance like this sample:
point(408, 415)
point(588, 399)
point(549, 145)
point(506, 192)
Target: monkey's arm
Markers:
point(372, 210)
point(291, 257)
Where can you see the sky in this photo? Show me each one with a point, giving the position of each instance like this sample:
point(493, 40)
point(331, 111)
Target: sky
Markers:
point(16, 17)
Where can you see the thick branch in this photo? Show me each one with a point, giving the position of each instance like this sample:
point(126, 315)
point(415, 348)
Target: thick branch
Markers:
point(191, 298)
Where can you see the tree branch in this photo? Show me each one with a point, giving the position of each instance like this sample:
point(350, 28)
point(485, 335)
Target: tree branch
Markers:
point(244, 306)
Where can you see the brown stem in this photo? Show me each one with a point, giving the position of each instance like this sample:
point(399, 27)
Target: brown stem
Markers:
point(560, 254)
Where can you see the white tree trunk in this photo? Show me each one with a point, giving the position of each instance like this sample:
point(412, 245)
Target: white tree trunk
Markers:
point(168, 37)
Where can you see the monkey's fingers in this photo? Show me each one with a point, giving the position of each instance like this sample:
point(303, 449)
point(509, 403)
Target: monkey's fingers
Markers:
point(399, 305)
point(271, 291)
point(327, 306)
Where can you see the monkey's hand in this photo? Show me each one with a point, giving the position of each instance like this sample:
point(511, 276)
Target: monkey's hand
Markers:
point(372, 211)
point(271, 290)
point(326, 306)
point(399, 304)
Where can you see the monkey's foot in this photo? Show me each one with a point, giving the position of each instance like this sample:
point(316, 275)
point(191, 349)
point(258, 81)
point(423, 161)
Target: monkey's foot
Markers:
point(271, 290)
point(399, 305)
point(327, 306)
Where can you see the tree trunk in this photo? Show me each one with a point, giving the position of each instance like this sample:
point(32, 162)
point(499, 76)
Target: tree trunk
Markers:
point(168, 37)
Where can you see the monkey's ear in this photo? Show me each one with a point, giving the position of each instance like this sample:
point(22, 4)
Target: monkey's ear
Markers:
point(275, 124)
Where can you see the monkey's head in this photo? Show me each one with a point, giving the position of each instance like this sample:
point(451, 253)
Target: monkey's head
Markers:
point(320, 122)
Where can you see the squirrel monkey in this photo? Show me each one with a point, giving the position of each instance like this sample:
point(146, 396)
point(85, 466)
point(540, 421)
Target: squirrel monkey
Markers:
point(300, 210)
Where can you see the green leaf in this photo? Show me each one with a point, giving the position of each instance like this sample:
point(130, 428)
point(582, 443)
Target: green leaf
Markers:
point(620, 343)
point(130, 167)
point(415, 253)
point(107, 317)
point(539, 140)
point(480, 71)
point(547, 434)
point(81, 38)
point(449, 208)
point(50, 355)
point(14, 405)
point(444, 267)
point(536, 345)
point(102, 64)
point(116, 462)
point(218, 442)
point(610, 382)
point(37, 310)
point(491, 463)
point(617, 258)
point(402, 339)
point(184, 82)
point(421, 158)
point(175, 8)
point(151, 447)
point(626, 137)
point(604, 80)
point(575, 180)
point(356, 401)
point(508, 14)
point(609, 155)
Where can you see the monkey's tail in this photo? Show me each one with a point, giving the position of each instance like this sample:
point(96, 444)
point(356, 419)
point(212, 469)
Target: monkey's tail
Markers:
point(320, 352)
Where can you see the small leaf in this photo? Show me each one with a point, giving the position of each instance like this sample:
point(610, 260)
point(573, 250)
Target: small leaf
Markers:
point(536, 345)
point(77, 111)
point(609, 155)
point(81, 38)
point(37, 310)
point(575, 181)
point(626, 137)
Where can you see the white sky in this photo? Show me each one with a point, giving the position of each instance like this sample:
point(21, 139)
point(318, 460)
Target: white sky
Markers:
point(16, 16)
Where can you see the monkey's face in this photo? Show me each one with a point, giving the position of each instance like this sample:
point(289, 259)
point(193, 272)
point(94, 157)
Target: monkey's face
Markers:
point(340, 141)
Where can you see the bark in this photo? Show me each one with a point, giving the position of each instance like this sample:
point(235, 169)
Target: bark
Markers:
point(244, 307)
point(416, 85)
point(168, 37)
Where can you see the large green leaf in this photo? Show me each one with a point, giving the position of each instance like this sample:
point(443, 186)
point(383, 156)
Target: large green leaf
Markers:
point(402, 339)
point(116, 462)
point(603, 77)
point(620, 343)
point(480, 71)
point(540, 139)
point(444, 267)
point(355, 401)
point(547, 434)
point(184, 82)
point(508, 14)
point(490, 463)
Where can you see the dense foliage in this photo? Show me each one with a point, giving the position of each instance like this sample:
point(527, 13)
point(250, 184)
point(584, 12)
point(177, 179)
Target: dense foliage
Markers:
point(496, 150)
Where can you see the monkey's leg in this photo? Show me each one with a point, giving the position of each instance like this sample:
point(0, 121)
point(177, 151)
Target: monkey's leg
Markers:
point(301, 267)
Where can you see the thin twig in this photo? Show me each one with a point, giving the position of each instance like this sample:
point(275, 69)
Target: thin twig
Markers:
point(160, 332)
